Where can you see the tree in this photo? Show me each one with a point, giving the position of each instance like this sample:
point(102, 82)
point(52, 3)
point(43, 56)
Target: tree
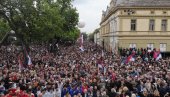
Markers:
point(91, 36)
point(4, 28)
point(85, 36)
point(40, 19)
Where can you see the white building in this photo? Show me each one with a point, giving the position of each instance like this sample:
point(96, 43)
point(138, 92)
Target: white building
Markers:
point(97, 37)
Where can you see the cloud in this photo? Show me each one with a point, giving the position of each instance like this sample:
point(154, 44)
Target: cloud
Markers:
point(90, 11)
point(77, 2)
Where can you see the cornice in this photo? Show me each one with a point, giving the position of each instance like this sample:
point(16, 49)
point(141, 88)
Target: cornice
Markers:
point(148, 38)
point(140, 31)
point(114, 9)
point(136, 36)
point(167, 16)
point(136, 33)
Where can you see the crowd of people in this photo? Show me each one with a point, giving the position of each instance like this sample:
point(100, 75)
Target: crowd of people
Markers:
point(70, 72)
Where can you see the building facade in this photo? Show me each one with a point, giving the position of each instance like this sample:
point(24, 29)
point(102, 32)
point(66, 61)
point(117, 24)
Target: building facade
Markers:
point(136, 24)
point(97, 37)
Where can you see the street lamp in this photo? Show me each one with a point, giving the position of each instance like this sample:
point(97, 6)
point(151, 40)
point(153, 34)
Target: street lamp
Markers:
point(81, 24)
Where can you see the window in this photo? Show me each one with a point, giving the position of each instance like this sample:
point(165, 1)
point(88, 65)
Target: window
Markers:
point(151, 46)
point(164, 12)
point(121, 12)
point(164, 25)
point(163, 47)
point(152, 25)
point(133, 12)
point(152, 12)
point(132, 45)
point(133, 25)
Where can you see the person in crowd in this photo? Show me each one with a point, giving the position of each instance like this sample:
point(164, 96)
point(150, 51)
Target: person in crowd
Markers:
point(93, 72)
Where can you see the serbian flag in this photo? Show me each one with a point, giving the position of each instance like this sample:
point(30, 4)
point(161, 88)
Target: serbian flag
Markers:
point(155, 55)
point(130, 58)
point(26, 58)
point(159, 57)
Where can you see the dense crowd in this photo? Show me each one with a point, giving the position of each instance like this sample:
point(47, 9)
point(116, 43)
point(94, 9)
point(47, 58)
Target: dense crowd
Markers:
point(70, 72)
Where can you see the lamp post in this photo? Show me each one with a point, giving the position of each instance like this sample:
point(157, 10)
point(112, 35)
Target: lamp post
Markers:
point(81, 24)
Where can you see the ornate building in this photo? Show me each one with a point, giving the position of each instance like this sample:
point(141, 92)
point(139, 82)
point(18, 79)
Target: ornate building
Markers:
point(136, 23)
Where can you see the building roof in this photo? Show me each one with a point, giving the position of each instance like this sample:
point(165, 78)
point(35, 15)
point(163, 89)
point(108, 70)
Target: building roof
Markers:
point(143, 3)
point(135, 3)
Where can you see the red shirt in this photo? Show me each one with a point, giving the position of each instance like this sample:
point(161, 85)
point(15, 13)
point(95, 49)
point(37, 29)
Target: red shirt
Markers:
point(20, 94)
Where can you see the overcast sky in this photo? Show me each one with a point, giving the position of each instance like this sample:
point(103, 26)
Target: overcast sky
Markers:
point(90, 11)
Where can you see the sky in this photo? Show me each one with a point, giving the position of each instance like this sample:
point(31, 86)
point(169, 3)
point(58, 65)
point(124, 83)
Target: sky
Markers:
point(90, 12)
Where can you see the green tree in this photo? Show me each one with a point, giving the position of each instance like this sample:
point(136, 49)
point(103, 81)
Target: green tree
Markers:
point(4, 28)
point(85, 36)
point(40, 19)
point(91, 35)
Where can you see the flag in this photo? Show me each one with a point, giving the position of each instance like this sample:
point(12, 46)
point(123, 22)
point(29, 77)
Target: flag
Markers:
point(29, 60)
point(159, 57)
point(81, 48)
point(26, 58)
point(123, 61)
point(81, 42)
point(100, 68)
point(102, 53)
point(105, 70)
point(155, 55)
point(130, 58)
point(19, 63)
point(101, 63)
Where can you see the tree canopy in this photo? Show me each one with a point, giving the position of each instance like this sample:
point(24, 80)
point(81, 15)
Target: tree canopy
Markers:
point(91, 35)
point(39, 19)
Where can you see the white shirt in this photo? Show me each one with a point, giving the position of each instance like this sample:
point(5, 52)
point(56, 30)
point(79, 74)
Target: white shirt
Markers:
point(58, 93)
point(48, 94)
